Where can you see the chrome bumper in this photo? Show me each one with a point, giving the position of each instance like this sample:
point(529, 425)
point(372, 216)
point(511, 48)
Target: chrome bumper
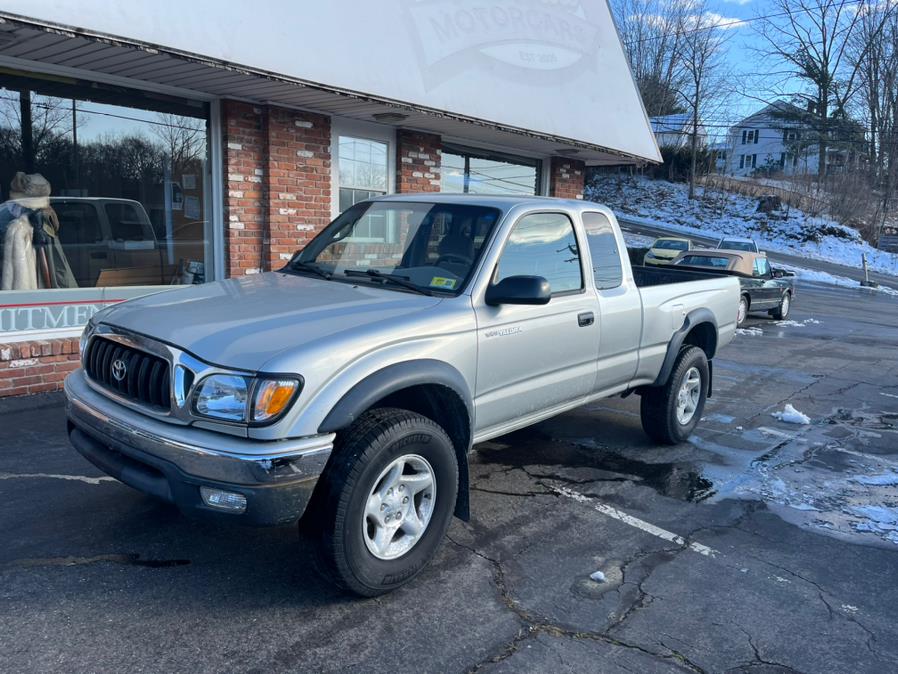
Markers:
point(172, 461)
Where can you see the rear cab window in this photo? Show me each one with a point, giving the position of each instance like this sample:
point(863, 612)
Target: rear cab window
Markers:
point(606, 265)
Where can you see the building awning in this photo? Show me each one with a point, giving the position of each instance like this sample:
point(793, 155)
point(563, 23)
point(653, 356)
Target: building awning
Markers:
point(619, 125)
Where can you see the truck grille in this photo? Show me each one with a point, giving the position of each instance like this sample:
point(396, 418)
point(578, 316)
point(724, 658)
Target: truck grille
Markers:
point(145, 378)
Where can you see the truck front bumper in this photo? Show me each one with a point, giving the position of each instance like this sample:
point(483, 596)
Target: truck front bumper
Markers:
point(173, 462)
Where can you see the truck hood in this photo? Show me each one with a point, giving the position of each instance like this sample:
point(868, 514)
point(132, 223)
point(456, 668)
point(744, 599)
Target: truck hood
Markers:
point(243, 323)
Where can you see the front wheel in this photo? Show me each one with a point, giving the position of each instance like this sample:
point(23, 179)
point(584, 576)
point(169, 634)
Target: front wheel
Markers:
point(782, 311)
point(671, 412)
point(385, 502)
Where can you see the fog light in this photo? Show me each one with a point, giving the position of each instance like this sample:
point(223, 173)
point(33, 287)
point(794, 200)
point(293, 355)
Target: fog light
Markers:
point(224, 500)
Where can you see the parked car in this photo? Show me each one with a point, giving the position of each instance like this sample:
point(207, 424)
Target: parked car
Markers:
point(762, 287)
point(737, 243)
point(348, 387)
point(665, 249)
point(99, 233)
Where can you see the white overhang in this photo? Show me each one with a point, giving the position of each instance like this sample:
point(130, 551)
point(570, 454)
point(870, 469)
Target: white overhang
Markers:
point(457, 68)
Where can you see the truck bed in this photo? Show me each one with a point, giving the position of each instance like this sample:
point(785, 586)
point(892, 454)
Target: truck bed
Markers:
point(646, 276)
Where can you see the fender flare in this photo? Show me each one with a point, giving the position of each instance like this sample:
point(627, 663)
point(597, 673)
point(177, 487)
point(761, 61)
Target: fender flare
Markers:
point(693, 319)
point(376, 386)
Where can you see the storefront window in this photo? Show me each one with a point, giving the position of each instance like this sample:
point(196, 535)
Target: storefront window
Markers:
point(481, 172)
point(99, 188)
point(98, 192)
point(363, 170)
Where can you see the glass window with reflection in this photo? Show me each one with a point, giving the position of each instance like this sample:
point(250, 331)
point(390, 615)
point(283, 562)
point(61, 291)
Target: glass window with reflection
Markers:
point(100, 186)
point(603, 248)
point(362, 169)
point(482, 172)
point(543, 244)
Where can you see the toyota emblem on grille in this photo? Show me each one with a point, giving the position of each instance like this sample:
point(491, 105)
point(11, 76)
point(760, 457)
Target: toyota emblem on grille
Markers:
point(119, 369)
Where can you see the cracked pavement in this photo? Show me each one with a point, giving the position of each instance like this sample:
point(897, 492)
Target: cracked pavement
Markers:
point(759, 546)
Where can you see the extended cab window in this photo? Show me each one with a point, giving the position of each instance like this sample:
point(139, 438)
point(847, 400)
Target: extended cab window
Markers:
point(762, 267)
point(606, 265)
point(543, 244)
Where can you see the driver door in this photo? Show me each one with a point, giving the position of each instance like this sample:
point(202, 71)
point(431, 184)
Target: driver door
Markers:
point(533, 358)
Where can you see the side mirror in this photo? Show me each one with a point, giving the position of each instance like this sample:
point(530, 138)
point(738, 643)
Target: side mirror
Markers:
point(519, 290)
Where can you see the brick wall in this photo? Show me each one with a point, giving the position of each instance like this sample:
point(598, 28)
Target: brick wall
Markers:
point(244, 153)
point(36, 366)
point(299, 180)
point(566, 178)
point(278, 175)
point(417, 161)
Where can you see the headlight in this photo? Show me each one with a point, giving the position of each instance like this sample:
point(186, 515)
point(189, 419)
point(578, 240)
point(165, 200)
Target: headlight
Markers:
point(222, 396)
point(226, 397)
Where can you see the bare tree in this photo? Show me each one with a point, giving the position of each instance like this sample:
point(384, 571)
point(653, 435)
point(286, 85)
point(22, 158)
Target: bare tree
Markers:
point(813, 39)
point(701, 63)
point(650, 32)
point(183, 138)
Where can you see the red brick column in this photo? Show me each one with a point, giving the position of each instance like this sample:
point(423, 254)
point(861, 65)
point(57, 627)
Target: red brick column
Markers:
point(244, 172)
point(299, 174)
point(566, 178)
point(417, 161)
point(278, 183)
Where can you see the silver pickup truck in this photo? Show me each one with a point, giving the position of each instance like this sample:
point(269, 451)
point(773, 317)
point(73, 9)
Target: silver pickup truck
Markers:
point(347, 388)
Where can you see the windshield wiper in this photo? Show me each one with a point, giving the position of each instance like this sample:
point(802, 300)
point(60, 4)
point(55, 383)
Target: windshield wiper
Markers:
point(310, 267)
point(392, 278)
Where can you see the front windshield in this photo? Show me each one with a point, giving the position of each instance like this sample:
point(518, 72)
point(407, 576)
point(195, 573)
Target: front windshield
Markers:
point(431, 245)
point(671, 244)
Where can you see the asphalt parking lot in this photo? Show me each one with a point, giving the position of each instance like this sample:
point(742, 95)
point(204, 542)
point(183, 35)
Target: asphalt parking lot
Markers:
point(760, 546)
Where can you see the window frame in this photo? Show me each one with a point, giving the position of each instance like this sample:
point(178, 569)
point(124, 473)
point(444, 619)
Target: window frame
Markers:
point(79, 304)
point(595, 283)
point(462, 150)
point(353, 128)
point(507, 235)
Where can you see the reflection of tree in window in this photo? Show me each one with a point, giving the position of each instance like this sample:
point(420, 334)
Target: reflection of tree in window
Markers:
point(543, 244)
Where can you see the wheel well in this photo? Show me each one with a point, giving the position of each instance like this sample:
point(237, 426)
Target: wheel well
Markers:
point(444, 406)
point(704, 336)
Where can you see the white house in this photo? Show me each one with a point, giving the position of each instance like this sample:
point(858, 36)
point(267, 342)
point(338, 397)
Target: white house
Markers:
point(776, 140)
point(675, 130)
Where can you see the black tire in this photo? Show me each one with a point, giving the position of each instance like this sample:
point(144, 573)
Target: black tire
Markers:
point(658, 408)
point(337, 512)
point(782, 311)
point(742, 313)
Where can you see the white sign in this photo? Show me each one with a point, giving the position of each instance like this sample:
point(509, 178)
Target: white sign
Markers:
point(551, 66)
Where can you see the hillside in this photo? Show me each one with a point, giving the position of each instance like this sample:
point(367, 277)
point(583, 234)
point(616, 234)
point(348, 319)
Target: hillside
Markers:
point(718, 213)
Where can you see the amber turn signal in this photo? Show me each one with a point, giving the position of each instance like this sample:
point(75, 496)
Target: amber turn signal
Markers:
point(272, 397)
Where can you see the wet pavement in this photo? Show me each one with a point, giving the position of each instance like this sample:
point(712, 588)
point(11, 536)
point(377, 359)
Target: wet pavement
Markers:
point(760, 546)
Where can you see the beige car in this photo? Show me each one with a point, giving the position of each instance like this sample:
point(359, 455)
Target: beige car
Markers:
point(665, 249)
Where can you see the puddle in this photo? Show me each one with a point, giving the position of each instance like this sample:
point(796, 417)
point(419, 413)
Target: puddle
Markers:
point(587, 461)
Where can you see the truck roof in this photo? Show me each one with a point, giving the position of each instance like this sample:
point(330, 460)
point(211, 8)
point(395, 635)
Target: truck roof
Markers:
point(491, 200)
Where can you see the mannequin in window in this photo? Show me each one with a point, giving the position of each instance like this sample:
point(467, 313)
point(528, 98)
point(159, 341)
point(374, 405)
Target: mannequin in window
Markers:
point(29, 230)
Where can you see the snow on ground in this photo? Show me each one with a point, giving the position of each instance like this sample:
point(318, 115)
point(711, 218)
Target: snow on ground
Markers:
point(750, 332)
point(813, 276)
point(715, 213)
point(790, 415)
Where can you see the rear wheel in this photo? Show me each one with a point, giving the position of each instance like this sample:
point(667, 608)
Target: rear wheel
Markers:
point(385, 502)
point(742, 312)
point(671, 412)
point(782, 311)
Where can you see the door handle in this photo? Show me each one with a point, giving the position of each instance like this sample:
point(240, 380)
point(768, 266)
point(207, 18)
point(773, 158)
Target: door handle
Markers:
point(586, 318)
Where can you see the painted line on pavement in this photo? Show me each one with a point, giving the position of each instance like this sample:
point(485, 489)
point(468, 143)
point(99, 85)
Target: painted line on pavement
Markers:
point(642, 525)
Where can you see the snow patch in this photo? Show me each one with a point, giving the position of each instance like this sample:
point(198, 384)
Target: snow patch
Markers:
point(750, 332)
point(790, 415)
point(884, 479)
point(716, 213)
point(597, 576)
